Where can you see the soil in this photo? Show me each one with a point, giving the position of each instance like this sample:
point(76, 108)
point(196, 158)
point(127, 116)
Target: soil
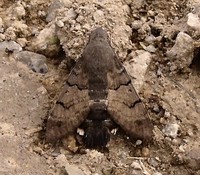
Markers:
point(171, 95)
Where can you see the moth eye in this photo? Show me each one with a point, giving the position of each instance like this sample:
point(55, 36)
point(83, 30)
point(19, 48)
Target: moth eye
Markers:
point(130, 90)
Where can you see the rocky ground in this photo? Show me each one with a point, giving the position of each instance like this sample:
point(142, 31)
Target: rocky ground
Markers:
point(158, 43)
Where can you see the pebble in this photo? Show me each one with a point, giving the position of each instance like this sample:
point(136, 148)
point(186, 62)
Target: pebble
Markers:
point(59, 23)
point(136, 24)
point(11, 46)
point(136, 165)
point(36, 62)
point(193, 21)
point(145, 152)
point(51, 12)
point(150, 48)
point(181, 54)
point(171, 130)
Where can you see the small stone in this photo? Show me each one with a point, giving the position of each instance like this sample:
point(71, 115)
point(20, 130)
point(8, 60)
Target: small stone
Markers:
point(34, 61)
point(41, 13)
point(138, 142)
point(153, 162)
point(171, 130)
point(181, 54)
point(69, 143)
point(150, 48)
point(136, 165)
point(59, 23)
point(145, 152)
point(193, 21)
point(11, 46)
point(41, 90)
point(52, 10)
point(136, 24)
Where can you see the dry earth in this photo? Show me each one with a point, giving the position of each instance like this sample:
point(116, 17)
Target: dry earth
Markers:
point(158, 43)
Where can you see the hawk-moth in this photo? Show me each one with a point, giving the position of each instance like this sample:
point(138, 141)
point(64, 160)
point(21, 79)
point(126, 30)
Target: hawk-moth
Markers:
point(98, 88)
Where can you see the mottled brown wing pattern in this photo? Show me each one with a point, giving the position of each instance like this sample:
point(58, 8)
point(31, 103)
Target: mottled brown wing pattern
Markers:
point(127, 110)
point(97, 88)
point(125, 106)
point(69, 111)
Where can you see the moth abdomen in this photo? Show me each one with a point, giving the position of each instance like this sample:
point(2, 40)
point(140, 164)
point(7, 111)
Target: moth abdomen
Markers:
point(96, 135)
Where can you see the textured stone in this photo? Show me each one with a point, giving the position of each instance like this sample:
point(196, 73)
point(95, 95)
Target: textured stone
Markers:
point(34, 61)
point(181, 54)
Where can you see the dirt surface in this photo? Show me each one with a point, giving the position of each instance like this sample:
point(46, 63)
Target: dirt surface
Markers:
point(158, 43)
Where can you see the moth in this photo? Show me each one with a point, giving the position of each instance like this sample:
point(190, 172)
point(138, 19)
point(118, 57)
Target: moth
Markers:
point(98, 89)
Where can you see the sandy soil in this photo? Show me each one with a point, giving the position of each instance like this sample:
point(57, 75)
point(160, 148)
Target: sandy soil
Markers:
point(169, 85)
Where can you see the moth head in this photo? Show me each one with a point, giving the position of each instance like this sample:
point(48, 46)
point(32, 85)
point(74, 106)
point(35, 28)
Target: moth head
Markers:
point(98, 33)
point(96, 135)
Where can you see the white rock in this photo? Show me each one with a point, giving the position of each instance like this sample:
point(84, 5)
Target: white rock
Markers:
point(137, 67)
point(136, 24)
point(136, 165)
point(59, 23)
point(150, 48)
point(181, 54)
point(193, 21)
point(171, 130)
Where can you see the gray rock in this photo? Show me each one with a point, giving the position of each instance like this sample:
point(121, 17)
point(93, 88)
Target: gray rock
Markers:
point(52, 10)
point(171, 130)
point(34, 61)
point(136, 24)
point(150, 48)
point(10, 46)
point(181, 54)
